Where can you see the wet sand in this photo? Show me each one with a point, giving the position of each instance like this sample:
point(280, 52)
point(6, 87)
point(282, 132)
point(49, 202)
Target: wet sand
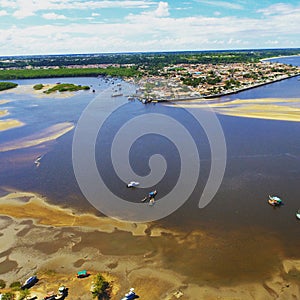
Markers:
point(49, 134)
point(268, 108)
point(10, 124)
point(56, 242)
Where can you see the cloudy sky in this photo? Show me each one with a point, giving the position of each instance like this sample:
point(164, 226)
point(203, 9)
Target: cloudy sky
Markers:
point(94, 26)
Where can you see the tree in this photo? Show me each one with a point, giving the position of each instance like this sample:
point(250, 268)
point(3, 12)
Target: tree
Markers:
point(100, 287)
point(23, 294)
point(8, 296)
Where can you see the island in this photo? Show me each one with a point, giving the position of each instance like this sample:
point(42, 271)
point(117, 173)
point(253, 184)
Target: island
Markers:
point(62, 87)
point(7, 85)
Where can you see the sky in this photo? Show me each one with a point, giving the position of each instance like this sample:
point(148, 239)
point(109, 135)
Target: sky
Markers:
point(93, 26)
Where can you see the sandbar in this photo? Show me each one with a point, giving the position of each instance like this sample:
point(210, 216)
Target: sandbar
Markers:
point(27, 89)
point(267, 108)
point(55, 242)
point(10, 124)
point(49, 134)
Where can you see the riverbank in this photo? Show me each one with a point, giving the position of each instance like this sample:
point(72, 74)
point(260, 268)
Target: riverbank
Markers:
point(55, 242)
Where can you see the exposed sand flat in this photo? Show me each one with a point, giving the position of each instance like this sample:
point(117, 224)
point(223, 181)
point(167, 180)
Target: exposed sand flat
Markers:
point(37, 237)
point(48, 214)
point(29, 90)
point(9, 124)
point(4, 101)
point(49, 134)
point(267, 108)
point(3, 112)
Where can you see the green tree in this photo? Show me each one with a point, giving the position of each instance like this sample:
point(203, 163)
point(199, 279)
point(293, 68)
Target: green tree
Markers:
point(7, 85)
point(8, 296)
point(38, 86)
point(15, 286)
point(100, 288)
point(23, 294)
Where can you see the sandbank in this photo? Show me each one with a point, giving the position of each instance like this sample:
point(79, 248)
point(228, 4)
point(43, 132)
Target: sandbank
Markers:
point(10, 124)
point(267, 108)
point(4, 101)
point(3, 113)
point(27, 89)
point(47, 135)
point(55, 242)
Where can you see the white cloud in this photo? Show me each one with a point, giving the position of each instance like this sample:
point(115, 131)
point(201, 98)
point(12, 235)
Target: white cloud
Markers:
point(162, 9)
point(223, 4)
point(278, 9)
point(3, 13)
point(53, 16)
point(95, 14)
point(155, 30)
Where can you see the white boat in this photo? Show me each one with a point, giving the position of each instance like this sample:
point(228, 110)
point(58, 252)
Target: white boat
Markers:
point(116, 94)
point(298, 214)
point(130, 296)
point(133, 184)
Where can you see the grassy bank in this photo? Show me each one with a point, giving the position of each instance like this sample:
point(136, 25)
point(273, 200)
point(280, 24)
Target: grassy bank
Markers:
point(66, 72)
point(7, 85)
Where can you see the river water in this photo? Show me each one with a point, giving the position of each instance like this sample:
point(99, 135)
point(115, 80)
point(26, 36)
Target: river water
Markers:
point(263, 157)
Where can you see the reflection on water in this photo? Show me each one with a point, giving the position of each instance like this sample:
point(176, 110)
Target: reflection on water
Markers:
point(263, 159)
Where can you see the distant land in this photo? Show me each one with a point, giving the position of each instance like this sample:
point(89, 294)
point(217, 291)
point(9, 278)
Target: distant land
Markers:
point(149, 58)
point(162, 75)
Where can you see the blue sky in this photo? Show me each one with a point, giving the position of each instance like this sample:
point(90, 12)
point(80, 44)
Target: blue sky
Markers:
point(92, 26)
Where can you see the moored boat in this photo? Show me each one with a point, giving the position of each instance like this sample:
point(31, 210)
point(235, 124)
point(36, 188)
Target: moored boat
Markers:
point(275, 201)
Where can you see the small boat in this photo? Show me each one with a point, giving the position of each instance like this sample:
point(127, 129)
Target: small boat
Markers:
point(298, 214)
point(131, 295)
point(83, 274)
point(31, 281)
point(116, 94)
point(133, 184)
point(37, 161)
point(275, 201)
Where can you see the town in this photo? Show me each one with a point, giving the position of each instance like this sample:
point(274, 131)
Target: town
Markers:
point(192, 81)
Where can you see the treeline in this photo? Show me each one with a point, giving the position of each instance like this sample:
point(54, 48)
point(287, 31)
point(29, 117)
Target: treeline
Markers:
point(149, 59)
point(7, 85)
point(66, 72)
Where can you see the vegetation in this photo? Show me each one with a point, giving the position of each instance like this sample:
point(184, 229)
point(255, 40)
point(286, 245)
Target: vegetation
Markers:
point(66, 87)
point(38, 86)
point(100, 287)
point(23, 294)
point(150, 59)
point(7, 85)
point(66, 72)
point(2, 284)
point(8, 296)
point(15, 286)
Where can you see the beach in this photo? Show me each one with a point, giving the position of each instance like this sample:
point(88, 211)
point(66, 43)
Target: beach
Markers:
point(55, 242)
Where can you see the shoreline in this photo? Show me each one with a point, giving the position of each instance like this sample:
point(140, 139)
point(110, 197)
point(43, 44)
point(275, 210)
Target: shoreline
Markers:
point(56, 242)
point(275, 57)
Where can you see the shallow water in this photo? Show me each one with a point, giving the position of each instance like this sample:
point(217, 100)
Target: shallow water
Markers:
point(246, 237)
